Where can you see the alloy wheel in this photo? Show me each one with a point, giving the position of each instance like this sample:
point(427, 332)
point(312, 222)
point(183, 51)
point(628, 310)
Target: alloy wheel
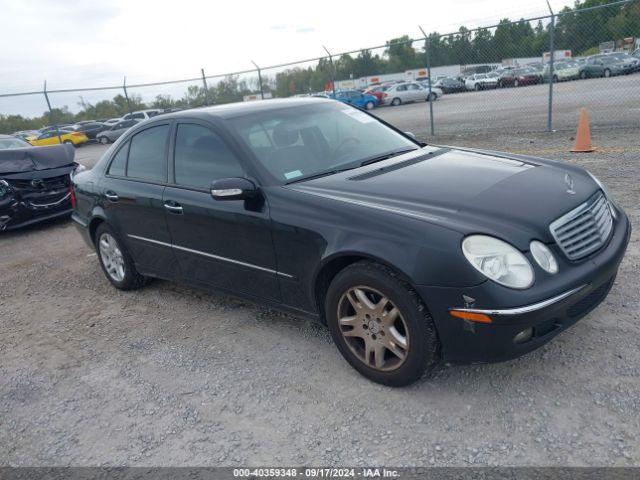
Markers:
point(373, 328)
point(111, 257)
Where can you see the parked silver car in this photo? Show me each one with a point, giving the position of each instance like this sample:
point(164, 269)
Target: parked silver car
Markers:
point(408, 92)
point(112, 134)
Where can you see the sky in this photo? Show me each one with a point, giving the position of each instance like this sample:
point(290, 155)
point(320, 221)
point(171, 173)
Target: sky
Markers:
point(99, 42)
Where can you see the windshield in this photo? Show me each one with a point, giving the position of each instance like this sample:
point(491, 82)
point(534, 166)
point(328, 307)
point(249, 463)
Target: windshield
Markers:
point(6, 143)
point(303, 141)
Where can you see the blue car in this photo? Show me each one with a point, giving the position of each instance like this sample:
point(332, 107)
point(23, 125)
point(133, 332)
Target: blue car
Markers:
point(356, 98)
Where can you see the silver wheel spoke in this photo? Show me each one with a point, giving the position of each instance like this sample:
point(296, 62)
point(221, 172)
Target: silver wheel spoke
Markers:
point(371, 325)
point(111, 257)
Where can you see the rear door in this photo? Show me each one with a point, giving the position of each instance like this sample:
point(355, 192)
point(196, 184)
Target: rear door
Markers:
point(225, 244)
point(132, 199)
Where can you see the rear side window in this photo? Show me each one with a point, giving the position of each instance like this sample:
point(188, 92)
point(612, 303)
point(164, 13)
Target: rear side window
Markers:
point(202, 157)
point(119, 162)
point(147, 154)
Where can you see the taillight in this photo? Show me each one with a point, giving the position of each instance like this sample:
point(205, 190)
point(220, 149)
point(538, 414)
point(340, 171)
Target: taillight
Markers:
point(72, 196)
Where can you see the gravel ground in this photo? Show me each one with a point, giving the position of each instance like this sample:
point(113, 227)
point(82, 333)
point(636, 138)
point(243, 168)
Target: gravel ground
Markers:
point(169, 375)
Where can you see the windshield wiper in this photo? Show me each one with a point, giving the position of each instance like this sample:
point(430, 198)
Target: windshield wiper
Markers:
point(386, 156)
point(326, 173)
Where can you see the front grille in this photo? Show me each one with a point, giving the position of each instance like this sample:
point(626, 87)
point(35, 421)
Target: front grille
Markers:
point(584, 229)
point(52, 183)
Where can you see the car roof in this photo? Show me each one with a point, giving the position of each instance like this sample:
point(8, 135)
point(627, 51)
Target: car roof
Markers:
point(231, 110)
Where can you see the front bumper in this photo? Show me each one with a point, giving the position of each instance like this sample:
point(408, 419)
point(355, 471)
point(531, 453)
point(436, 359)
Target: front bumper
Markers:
point(587, 285)
point(16, 213)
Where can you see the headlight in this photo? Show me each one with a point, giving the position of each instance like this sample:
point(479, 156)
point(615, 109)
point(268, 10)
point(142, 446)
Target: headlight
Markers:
point(498, 261)
point(4, 188)
point(543, 256)
point(612, 206)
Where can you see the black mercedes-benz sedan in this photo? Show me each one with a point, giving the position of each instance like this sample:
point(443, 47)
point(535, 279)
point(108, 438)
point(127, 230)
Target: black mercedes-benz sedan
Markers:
point(410, 253)
point(35, 182)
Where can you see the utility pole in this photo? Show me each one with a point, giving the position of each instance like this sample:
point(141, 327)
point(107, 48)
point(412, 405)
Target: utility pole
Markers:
point(552, 30)
point(126, 95)
point(259, 79)
point(46, 97)
point(427, 48)
point(333, 71)
point(206, 88)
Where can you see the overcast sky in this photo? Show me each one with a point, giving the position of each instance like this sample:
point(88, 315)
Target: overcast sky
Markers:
point(97, 42)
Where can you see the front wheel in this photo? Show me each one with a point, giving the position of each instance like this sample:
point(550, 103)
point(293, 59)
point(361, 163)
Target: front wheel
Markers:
point(369, 106)
point(607, 73)
point(477, 87)
point(395, 102)
point(115, 260)
point(380, 325)
point(583, 75)
point(104, 140)
point(432, 97)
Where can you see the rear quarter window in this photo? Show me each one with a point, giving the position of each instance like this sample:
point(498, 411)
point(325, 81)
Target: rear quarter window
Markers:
point(147, 154)
point(119, 163)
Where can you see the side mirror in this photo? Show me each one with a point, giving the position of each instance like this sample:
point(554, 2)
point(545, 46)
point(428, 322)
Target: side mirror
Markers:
point(233, 189)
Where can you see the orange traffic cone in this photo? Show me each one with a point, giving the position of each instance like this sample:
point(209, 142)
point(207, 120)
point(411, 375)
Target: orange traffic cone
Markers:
point(583, 136)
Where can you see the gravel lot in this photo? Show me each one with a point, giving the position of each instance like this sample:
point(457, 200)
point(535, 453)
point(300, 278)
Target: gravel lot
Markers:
point(612, 102)
point(169, 375)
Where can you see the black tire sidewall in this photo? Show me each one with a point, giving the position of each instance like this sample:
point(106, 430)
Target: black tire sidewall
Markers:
point(423, 342)
point(132, 279)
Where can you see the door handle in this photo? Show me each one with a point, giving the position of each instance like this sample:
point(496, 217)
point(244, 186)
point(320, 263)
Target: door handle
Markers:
point(173, 207)
point(111, 196)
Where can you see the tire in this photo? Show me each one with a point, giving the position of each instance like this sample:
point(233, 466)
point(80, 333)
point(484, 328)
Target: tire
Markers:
point(607, 73)
point(128, 277)
point(477, 87)
point(395, 102)
point(583, 75)
point(369, 106)
point(555, 79)
point(413, 325)
point(68, 142)
point(432, 97)
point(103, 140)
point(516, 83)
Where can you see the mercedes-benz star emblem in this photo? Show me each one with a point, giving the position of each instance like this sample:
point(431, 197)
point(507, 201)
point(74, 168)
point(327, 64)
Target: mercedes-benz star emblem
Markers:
point(568, 179)
point(37, 183)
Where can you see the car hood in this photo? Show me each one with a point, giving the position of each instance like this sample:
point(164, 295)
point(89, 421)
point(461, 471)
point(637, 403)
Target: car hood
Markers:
point(510, 196)
point(28, 159)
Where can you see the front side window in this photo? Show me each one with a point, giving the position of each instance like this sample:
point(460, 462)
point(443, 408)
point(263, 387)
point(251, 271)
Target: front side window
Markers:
point(292, 143)
point(201, 157)
point(147, 154)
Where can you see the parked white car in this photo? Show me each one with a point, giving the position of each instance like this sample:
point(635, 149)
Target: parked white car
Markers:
point(408, 92)
point(481, 81)
point(142, 114)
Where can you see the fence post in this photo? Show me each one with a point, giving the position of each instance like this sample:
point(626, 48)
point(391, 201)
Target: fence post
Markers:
point(427, 48)
point(126, 95)
point(206, 88)
point(552, 30)
point(46, 97)
point(333, 71)
point(259, 79)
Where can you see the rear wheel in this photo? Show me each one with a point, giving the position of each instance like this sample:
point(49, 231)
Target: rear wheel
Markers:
point(380, 325)
point(104, 140)
point(115, 260)
point(583, 75)
point(396, 101)
point(607, 73)
point(432, 97)
point(477, 87)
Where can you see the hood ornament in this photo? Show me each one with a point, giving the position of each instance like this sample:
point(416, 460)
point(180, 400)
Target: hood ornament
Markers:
point(568, 179)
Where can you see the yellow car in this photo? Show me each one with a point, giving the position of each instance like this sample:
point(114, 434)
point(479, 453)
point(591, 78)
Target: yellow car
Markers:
point(51, 138)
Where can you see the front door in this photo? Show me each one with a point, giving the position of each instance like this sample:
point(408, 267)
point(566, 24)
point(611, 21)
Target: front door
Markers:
point(132, 193)
point(225, 244)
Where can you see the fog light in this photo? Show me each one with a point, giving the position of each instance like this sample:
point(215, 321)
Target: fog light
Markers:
point(524, 336)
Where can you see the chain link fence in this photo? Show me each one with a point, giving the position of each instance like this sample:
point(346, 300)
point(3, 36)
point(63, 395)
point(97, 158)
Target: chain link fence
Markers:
point(532, 74)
